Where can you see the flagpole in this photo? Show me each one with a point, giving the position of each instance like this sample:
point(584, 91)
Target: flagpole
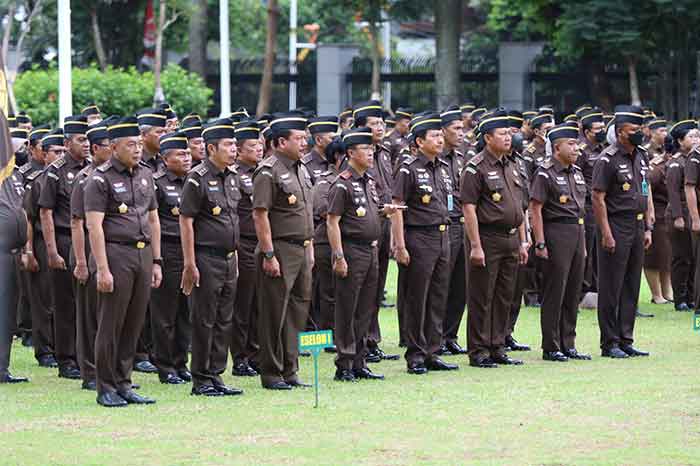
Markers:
point(224, 60)
point(65, 96)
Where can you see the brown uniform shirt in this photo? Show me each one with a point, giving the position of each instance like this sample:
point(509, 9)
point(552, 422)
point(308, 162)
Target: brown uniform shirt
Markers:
point(28, 168)
point(56, 189)
point(354, 198)
point(77, 198)
point(653, 150)
point(537, 152)
point(692, 172)
point(425, 187)
point(623, 178)
point(320, 196)
point(561, 190)
point(468, 147)
point(211, 196)
point(315, 164)
point(245, 205)
point(125, 197)
point(283, 187)
point(455, 163)
point(586, 161)
point(395, 142)
point(496, 188)
point(30, 198)
point(169, 196)
point(675, 185)
point(382, 174)
point(657, 181)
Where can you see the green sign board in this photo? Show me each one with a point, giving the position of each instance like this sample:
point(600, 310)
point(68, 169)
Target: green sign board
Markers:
point(696, 321)
point(315, 342)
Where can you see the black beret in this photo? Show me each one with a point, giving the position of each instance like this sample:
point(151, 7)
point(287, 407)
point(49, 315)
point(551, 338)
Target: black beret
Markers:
point(168, 111)
point(12, 120)
point(450, 114)
point(91, 109)
point(247, 129)
point(240, 114)
point(370, 108)
point(218, 129)
point(467, 108)
point(592, 115)
point(357, 136)
point(478, 113)
point(682, 127)
point(515, 118)
point(264, 119)
point(541, 119)
point(571, 118)
point(171, 141)
point(124, 127)
point(21, 133)
point(323, 124)
point(39, 132)
point(75, 124)
point(494, 120)
point(345, 113)
point(288, 121)
point(582, 109)
point(97, 132)
point(403, 112)
point(629, 114)
point(191, 125)
point(151, 117)
point(54, 138)
point(192, 117)
point(563, 131)
point(657, 123)
point(23, 118)
point(425, 123)
point(529, 114)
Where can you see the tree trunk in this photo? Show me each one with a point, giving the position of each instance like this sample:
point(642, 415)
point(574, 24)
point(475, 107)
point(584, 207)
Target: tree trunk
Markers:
point(683, 77)
point(376, 65)
point(270, 53)
point(158, 96)
point(3, 59)
point(447, 27)
point(634, 82)
point(198, 38)
point(97, 37)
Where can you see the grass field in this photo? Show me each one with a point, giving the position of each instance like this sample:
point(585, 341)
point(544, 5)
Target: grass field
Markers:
point(639, 411)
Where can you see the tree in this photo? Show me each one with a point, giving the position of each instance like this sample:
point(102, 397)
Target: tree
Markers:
point(447, 72)
point(270, 47)
point(198, 38)
point(167, 15)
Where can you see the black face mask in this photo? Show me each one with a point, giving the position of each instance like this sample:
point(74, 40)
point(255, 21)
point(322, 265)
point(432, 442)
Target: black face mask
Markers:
point(637, 138)
point(517, 142)
point(600, 137)
point(21, 157)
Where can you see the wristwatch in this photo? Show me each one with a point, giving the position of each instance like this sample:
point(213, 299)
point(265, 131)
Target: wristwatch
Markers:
point(540, 246)
point(337, 255)
point(269, 255)
point(158, 262)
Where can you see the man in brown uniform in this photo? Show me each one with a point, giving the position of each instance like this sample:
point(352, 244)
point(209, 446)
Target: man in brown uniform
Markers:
point(92, 114)
point(468, 144)
point(122, 219)
point(152, 123)
point(54, 204)
point(452, 128)
point(84, 278)
point(244, 341)
point(557, 200)
point(692, 186)
point(422, 244)
point(620, 191)
point(209, 228)
point(491, 195)
point(41, 298)
point(323, 129)
point(536, 149)
point(170, 312)
point(282, 203)
point(398, 139)
point(192, 127)
point(353, 232)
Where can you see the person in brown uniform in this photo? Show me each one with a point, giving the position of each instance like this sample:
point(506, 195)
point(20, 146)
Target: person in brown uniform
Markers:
point(592, 141)
point(92, 114)
point(84, 278)
point(54, 204)
point(209, 229)
point(657, 259)
point(536, 149)
point(283, 216)
point(353, 232)
point(620, 191)
point(686, 137)
point(492, 203)
point(323, 129)
point(122, 219)
point(170, 312)
point(453, 131)
point(41, 298)
point(692, 186)
point(369, 114)
point(152, 123)
point(244, 341)
point(422, 244)
point(192, 127)
point(398, 139)
point(557, 205)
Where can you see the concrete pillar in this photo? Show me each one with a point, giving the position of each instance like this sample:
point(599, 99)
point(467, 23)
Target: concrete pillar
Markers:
point(333, 64)
point(515, 60)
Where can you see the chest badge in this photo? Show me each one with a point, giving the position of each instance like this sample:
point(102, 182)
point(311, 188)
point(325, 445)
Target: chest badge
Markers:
point(123, 208)
point(425, 199)
point(292, 199)
point(563, 199)
point(626, 186)
point(216, 211)
point(144, 183)
point(175, 211)
point(70, 175)
point(496, 197)
point(361, 211)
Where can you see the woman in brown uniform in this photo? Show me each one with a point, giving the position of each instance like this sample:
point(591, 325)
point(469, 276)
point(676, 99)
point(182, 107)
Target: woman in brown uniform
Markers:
point(657, 260)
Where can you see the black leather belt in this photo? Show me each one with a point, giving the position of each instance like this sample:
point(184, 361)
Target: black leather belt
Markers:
point(249, 237)
point(565, 220)
point(214, 251)
point(442, 227)
point(62, 230)
point(170, 239)
point(491, 228)
point(361, 242)
point(297, 242)
point(136, 244)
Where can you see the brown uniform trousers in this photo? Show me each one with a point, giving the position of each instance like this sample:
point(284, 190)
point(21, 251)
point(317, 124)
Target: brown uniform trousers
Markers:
point(491, 292)
point(170, 313)
point(383, 253)
point(619, 280)
point(562, 276)
point(355, 303)
point(121, 314)
point(457, 295)
point(244, 344)
point(24, 311)
point(41, 301)
point(682, 262)
point(64, 300)
point(85, 319)
point(283, 308)
point(8, 290)
point(425, 287)
point(324, 286)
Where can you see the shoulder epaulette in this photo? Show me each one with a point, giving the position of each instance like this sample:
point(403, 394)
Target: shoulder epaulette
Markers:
point(307, 158)
point(143, 164)
point(644, 148)
point(610, 150)
point(346, 174)
point(25, 168)
point(460, 153)
point(382, 146)
point(576, 167)
point(269, 162)
point(33, 176)
point(409, 159)
point(200, 169)
point(675, 156)
point(477, 159)
point(159, 174)
point(531, 149)
point(105, 166)
point(59, 162)
point(547, 164)
point(442, 161)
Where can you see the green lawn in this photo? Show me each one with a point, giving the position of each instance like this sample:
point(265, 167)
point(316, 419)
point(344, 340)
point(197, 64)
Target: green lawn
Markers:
point(641, 411)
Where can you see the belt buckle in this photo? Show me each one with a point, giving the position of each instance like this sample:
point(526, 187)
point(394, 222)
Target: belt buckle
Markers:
point(140, 245)
point(580, 221)
point(512, 231)
point(640, 216)
point(374, 243)
point(230, 254)
point(442, 227)
point(461, 219)
point(307, 242)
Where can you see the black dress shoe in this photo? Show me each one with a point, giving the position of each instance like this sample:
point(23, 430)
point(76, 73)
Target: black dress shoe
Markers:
point(507, 360)
point(443, 351)
point(373, 357)
point(454, 348)
point(513, 345)
point(89, 385)
point(614, 353)
point(386, 357)
point(639, 313)
point(145, 367)
point(9, 378)
point(72, 373)
point(632, 351)
point(365, 373)
point(278, 386)
point(171, 379)
point(386, 304)
point(438, 364)
point(27, 341)
point(242, 369)
point(330, 349)
point(135, 386)
point(228, 391)
point(554, 356)
point(417, 369)
point(682, 307)
point(48, 360)
point(574, 354)
point(344, 375)
point(134, 398)
point(185, 375)
point(297, 384)
point(111, 400)
point(485, 363)
point(206, 390)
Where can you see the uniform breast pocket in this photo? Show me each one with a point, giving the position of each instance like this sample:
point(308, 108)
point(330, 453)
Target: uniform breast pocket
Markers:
point(425, 193)
point(624, 179)
point(494, 184)
point(121, 201)
point(290, 195)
